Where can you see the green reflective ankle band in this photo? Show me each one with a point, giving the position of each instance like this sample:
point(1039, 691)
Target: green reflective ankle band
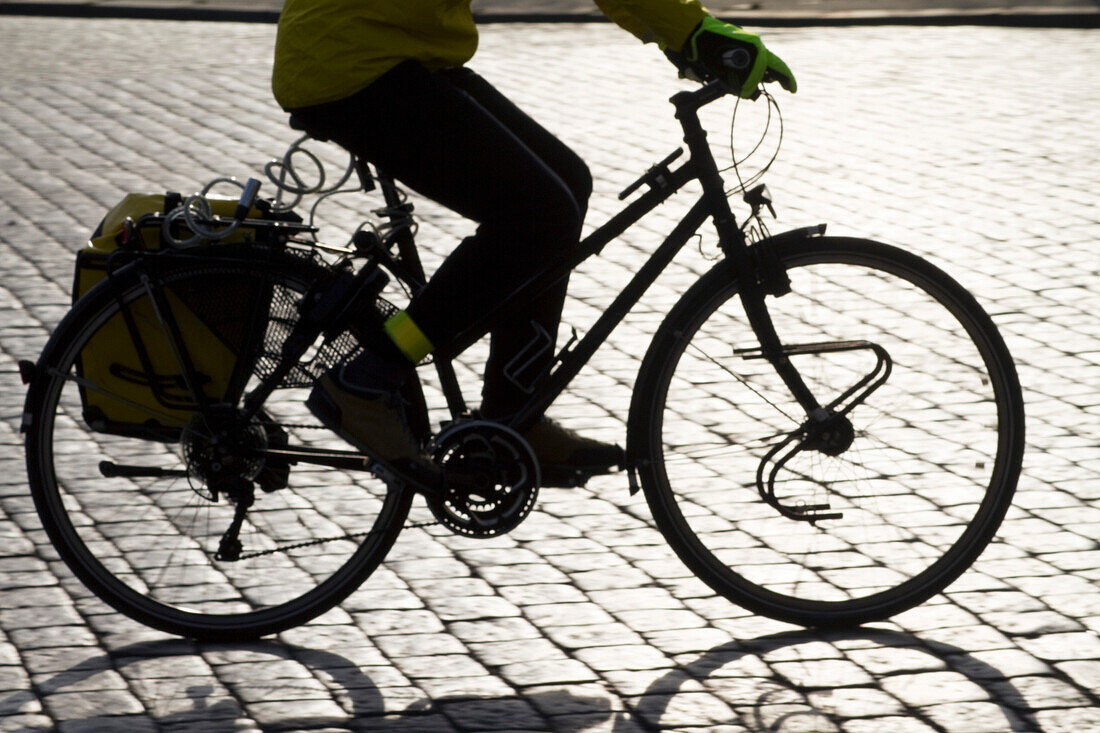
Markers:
point(408, 337)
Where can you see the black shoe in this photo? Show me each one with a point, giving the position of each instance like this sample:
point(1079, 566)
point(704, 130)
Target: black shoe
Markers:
point(360, 402)
point(568, 459)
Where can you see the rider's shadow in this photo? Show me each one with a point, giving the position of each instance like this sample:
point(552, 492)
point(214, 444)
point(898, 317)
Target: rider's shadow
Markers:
point(734, 672)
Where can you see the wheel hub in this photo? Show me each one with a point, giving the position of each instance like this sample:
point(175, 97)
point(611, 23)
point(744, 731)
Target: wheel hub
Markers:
point(831, 436)
point(219, 452)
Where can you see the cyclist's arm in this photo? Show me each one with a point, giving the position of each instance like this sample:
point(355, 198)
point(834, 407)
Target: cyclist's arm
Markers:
point(668, 23)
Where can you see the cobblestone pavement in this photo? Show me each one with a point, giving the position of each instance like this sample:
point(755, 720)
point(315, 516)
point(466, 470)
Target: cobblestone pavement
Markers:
point(969, 145)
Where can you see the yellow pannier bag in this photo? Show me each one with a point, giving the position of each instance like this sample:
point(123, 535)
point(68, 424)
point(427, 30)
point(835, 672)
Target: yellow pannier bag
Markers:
point(140, 386)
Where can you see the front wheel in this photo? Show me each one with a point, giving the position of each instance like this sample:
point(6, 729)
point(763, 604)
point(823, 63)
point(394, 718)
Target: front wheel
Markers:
point(846, 520)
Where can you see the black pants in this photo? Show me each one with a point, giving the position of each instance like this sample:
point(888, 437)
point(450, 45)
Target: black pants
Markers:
point(455, 139)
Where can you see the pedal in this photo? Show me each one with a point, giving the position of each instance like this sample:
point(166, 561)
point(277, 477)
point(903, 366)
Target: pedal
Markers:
point(562, 477)
point(568, 477)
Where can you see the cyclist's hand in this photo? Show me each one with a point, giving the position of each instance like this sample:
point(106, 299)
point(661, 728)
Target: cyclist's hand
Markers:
point(684, 66)
point(737, 57)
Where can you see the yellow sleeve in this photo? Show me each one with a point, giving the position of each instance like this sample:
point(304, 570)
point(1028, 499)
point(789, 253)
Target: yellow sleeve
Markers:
point(666, 22)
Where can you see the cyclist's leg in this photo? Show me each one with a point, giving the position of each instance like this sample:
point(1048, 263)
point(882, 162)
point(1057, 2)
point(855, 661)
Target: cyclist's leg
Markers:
point(434, 136)
point(501, 396)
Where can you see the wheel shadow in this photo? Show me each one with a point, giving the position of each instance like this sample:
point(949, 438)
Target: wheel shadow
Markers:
point(759, 700)
point(766, 702)
point(187, 702)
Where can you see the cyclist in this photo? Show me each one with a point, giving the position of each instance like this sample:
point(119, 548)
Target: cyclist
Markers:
point(387, 81)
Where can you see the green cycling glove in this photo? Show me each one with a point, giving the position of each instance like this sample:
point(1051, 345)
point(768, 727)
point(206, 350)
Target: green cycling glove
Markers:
point(737, 57)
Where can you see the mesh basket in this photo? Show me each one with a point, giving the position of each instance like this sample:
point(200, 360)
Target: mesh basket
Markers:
point(283, 317)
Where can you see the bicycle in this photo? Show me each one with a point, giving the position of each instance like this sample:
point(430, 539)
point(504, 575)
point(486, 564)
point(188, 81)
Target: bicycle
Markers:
point(827, 430)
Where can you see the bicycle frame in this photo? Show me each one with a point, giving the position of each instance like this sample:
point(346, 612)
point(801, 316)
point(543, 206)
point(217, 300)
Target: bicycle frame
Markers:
point(757, 274)
point(757, 278)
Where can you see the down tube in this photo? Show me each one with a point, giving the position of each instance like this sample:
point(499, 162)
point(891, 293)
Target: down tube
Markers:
point(575, 359)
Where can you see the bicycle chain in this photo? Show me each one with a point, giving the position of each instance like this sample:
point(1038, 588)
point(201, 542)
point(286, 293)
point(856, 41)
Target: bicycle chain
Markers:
point(321, 540)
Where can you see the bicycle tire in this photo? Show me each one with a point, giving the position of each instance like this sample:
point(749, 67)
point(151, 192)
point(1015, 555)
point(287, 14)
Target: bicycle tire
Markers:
point(146, 544)
point(935, 450)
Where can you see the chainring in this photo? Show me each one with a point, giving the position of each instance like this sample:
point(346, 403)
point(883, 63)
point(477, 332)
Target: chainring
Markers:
point(491, 479)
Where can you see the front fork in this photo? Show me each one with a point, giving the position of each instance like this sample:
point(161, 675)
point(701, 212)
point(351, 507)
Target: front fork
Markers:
point(759, 274)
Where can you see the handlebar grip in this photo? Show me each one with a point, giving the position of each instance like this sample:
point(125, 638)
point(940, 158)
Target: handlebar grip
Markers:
point(248, 197)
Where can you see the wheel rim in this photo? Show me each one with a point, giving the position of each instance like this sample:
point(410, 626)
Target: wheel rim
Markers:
point(913, 488)
point(147, 544)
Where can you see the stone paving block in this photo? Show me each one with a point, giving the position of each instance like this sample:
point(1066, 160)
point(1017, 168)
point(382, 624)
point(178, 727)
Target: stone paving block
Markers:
point(596, 723)
point(306, 714)
point(542, 593)
point(822, 673)
point(464, 688)
point(690, 709)
point(894, 723)
point(586, 636)
point(637, 683)
point(1064, 721)
point(500, 629)
point(472, 607)
point(500, 653)
point(998, 663)
point(401, 645)
point(369, 702)
point(102, 724)
point(398, 622)
point(495, 714)
point(439, 665)
point(855, 702)
point(546, 672)
point(445, 588)
point(26, 723)
point(75, 706)
point(1063, 647)
point(974, 717)
point(1036, 623)
point(973, 638)
point(429, 723)
point(574, 614)
point(933, 688)
point(623, 657)
point(687, 641)
point(891, 660)
point(1038, 693)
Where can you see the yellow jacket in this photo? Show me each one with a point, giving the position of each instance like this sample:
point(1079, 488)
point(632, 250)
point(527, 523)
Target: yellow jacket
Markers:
point(329, 49)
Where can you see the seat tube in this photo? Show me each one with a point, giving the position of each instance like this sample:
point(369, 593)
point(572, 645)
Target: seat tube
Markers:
point(406, 248)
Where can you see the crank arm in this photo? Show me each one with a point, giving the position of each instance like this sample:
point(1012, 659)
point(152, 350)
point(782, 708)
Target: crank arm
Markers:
point(353, 461)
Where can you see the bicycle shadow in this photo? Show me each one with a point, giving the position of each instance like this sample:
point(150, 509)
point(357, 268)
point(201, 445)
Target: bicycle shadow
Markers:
point(766, 703)
point(761, 701)
point(206, 706)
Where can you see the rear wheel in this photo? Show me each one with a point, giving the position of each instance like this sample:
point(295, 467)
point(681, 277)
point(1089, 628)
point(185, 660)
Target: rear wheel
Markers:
point(884, 499)
point(145, 523)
